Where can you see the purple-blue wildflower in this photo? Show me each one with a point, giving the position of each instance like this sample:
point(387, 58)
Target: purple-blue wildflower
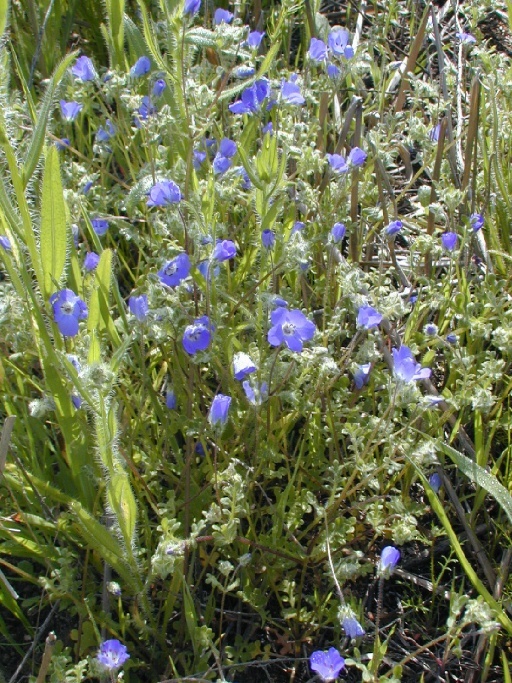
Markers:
point(68, 309)
point(83, 69)
point(476, 220)
point(430, 329)
point(291, 328)
point(70, 110)
point(191, 7)
point(268, 238)
point(434, 133)
point(298, 226)
point(393, 228)
point(5, 242)
point(104, 134)
point(139, 307)
point(62, 144)
point(112, 654)
point(368, 317)
point(222, 16)
point(198, 159)
point(333, 71)
point(246, 183)
point(164, 193)
point(175, 271)
point(327, 665)
point(146, 109)
point(91, 261)
point(290, 92)
point(357, 157)
point(389, 558)
point(466, 38)
point(435, 482)
point(406, 368)
point(219, 410)
point(449, 240)
point(317, 50)
point(362, 375)
point(243, 71)
point(251, 99)
point(242, 365)
point(254, 39)
point(170, 400)
point(87, 187)
point(224, 250)
point(158, 87)
point(338, 43)
point(76, 400)
point(337, 163)
point(338, 231)
point(100, 226)
point(451, 338)
point(141, 67)
point(197, 336)
point(255, 394)
point(352, 627)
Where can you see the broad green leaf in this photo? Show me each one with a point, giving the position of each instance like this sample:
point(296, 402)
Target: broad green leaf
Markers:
point(53, 236)
point(4, 11)
point(99, 314)
point(41, 122)
point(481, 477)
point(115, 13)
point(122, 501)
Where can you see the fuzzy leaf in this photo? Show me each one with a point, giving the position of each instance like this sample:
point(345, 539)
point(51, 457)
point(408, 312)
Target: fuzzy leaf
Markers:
point(53, 238)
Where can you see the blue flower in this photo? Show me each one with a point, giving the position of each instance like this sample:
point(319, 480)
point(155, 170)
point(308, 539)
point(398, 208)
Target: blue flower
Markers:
point(91, 261)
point(393, 228)
point(434, 133)
point(389, 558)
point(139, 307)
point(246, 181)
point(175, 271)
point(197, 337)
point(204, 267)
point(338, 232)
point(83, 69)
point(327, 664)
point(86, 188)
point(268, 238)
point(466, 38)
point(243, 71)
point(430, 329)
point(70, 110)
point(357, 157)
point(68, 309)
point(222, 16)
point(337, 163)
point(62, 144)
point(191, 7)
point(198, 159)
point(435, 482)
point(451, 338)
point(141, 67)
point(352, 627)
point(251, 99)
point(406, 368)
point(5, 242)
point(221, 164)
point(104, 134)
point(164, 193)
point(291, 328)
point(317, 50)
point(170, 400)
point(476, 220)
point(76, 400)
point(227, 148)
point(146, 108)
point(368, 317)
point(242, 365)
point(219, 410)
point(362, 375)
point(254, 39)
point(224, 250)
point(449, 240)
point(112, 654)
point(333, 71)
point(100, 226)
point(290, 93)
point(158, 87)
point(338, 43)
point(255, 395)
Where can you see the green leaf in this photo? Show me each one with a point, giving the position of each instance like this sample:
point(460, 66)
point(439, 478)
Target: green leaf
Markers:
point(53, 236)
point(480, 476)
point(122, 501)
point(4, 11)
point(99, 314)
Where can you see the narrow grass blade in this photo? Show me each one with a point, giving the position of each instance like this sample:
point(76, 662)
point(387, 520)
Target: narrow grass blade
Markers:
point(53, 239)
